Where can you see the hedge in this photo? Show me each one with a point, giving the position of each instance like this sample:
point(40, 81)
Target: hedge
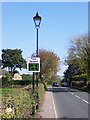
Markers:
point(22, 100)
point(20, 82)
point(6, 82)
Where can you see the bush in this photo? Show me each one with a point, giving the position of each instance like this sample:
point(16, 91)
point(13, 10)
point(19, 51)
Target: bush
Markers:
point(79, 80)
point(41, 90)
point(6, 78)
point(20, 82)
point(7, 83)
point(49, 82)
point(78, 84)
point(22, 100)
point(26, 77)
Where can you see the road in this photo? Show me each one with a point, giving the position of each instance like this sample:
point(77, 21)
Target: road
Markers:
point(70, 103)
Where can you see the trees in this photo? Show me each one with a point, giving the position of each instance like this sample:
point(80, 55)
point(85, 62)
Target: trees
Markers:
point(12, 59)
point(71, 71)
point(79, 54)
point(50, 64)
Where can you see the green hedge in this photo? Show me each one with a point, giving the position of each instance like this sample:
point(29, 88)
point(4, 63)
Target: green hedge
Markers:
point(26, 77)
point(8, 83)
point(20, 82)
point(22, 100)
point(41, 90)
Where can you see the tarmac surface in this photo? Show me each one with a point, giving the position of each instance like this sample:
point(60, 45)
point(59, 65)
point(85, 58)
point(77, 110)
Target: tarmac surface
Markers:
point(65, 104)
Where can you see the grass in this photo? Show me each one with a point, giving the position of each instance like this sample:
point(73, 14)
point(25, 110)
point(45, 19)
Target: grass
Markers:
point(5, 91)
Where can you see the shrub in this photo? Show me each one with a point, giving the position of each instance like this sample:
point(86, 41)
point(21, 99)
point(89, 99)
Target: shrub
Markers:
point(79, 80)
point(41, 90)
point(20, 82)
point(26, 77)
point(6, 78)
point(22, 100)
point(8, 81)
point(49, 82)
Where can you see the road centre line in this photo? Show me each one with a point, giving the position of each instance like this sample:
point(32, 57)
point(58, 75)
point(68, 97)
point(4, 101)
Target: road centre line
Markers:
point(79, 97)
point(54, 108)
point(85, 101)
point(72, 93)
point(75, 95)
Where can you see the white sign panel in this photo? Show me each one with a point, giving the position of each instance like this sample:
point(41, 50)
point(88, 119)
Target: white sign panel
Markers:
point(33, 64)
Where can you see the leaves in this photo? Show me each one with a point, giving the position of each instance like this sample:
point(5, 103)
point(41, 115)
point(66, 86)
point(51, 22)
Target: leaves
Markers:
point(12, 59)
point(79, 54)
point(49, 63)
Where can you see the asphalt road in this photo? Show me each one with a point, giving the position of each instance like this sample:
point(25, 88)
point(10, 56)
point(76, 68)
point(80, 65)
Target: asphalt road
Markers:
point(70, 103)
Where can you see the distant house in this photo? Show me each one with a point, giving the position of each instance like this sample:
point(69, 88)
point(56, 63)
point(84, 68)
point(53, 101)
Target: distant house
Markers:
point(17, 76)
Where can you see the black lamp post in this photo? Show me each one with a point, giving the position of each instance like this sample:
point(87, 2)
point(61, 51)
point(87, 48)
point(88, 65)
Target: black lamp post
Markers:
point(37, 21)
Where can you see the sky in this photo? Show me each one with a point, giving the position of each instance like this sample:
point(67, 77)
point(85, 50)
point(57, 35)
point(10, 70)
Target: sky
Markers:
point(61, 22)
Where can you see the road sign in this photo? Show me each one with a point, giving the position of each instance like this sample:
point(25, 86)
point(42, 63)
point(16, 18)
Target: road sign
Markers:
point(33, 64)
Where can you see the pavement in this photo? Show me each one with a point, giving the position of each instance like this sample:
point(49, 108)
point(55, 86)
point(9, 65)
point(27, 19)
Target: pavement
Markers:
point(48, 107)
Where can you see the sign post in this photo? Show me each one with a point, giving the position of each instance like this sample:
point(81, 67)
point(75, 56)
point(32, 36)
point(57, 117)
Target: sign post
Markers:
point(33, 65)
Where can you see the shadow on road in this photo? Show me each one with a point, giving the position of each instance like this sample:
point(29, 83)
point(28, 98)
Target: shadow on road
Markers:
point(64, 118)
point(62, 89)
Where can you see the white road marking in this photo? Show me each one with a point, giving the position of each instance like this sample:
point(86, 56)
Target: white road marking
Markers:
point(77, 96)
point(72, 93)
point(54, 109)
point(85, 101)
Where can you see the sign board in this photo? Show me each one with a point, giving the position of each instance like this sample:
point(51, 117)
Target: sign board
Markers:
point(33, 64)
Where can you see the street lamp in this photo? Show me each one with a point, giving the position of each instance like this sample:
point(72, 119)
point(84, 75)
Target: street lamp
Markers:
point(37, 21)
